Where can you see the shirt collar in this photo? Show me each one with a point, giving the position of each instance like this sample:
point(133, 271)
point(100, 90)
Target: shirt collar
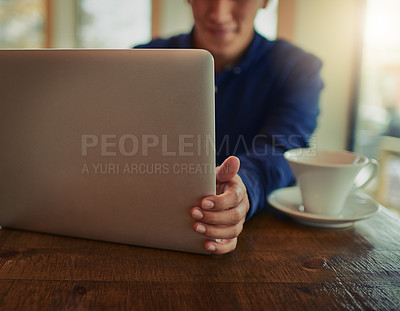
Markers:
point(253, 53)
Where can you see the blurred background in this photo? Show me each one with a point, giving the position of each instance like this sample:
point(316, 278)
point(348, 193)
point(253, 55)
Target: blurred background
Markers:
point(357, 40)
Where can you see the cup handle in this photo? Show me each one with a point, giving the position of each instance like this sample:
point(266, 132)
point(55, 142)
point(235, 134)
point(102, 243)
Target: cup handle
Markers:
point(374, 165)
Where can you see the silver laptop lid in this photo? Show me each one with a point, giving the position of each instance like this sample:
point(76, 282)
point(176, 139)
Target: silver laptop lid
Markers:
point(114, 145)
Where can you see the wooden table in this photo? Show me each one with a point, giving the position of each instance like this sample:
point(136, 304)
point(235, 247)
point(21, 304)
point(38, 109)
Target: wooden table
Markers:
point(278, 265)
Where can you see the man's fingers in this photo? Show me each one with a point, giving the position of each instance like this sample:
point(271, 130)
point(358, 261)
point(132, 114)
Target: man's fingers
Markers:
point(223, 247)
point(228, 169)
point(221, 217)
point(227, 217)
point(219, 231)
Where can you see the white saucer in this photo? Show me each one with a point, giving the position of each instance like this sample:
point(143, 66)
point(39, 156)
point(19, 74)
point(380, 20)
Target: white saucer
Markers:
point(358, 206)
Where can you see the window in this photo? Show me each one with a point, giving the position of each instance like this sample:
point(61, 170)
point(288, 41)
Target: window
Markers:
point(113, 23)
point(379, 98)
point(74, 23)
point(377, 128)
point(22, 23)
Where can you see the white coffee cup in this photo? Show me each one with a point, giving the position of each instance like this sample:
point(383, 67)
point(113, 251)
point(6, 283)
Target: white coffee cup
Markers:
point(326, 177)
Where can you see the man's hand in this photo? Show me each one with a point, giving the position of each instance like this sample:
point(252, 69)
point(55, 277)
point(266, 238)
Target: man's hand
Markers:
point(221, 216)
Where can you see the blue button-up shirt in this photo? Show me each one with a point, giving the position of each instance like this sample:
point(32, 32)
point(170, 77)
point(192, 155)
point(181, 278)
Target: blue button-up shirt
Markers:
point(266, 104)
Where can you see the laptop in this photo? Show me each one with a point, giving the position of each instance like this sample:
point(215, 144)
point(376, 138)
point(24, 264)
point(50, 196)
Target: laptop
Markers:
point(111, 145)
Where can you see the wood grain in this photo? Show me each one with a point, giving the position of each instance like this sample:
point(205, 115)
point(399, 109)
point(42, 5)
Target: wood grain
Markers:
point(278, 265)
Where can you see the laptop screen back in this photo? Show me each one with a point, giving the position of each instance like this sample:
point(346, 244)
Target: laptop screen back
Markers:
point(113, 145)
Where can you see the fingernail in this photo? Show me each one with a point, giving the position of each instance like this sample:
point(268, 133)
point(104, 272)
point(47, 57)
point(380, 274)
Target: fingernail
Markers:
point(196, 214)
point(218, 240)
point(207, 204)
point(211, 247)
point(200, 229)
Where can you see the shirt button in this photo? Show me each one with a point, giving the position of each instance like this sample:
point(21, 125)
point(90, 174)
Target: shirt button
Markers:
point(237, 70)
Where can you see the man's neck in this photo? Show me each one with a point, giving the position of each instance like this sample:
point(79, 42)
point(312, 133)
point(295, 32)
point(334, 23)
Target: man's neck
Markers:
point(222, 62)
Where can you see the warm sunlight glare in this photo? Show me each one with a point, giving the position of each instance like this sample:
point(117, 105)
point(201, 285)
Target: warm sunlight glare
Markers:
point(383, 24)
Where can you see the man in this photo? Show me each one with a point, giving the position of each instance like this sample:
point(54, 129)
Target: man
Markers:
point(267, 95)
